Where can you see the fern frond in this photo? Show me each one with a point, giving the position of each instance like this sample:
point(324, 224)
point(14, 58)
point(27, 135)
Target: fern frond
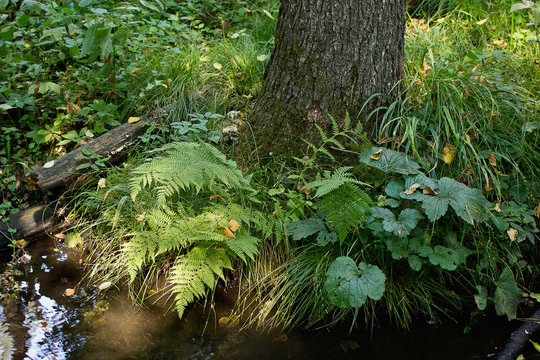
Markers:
point(187, 166)
point(243, 246)
point(192, 274)
point(345, 207)
point(330, 182)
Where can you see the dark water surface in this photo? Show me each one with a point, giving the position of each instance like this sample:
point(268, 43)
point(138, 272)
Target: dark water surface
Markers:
point(37, 321)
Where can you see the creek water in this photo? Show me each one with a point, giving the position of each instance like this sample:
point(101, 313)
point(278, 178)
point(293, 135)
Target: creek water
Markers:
point(38, 321)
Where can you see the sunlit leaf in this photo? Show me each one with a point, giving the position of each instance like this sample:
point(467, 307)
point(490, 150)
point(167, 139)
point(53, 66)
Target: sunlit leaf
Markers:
point(512, 234)
point(228, 233)
point(133, 119)
point(234, 225)
point(217, 66)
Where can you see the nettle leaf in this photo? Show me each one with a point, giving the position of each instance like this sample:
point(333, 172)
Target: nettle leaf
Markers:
point(507, 295)
point(389, 161)
point(469, 204)
point(406, 222)
point(302, 229)
point(481, 297)
point(349, 285)
point(445, 257)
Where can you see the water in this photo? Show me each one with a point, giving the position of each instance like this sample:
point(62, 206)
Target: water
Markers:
point(37, 321)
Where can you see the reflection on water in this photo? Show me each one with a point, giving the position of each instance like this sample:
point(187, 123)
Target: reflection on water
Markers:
point(37, 321)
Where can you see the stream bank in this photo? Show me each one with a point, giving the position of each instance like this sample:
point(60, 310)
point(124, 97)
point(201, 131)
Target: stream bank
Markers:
point(38, 321)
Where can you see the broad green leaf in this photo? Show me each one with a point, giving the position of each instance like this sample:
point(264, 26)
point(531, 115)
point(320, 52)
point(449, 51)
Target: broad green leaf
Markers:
point(403, 226)
point(398, 247)
point(507, 295)
point(481, 297)
point(469, 204)
point(349, 285)
point(434, 207)
point(445, 257)
point(389, 161)
point(302, 229)
point(326, 237)
point(394, 188)
point(415, 262)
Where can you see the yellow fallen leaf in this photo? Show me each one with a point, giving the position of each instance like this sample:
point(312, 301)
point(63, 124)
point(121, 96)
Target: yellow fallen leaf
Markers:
point(261, 57)
point(27, 45)
point(140, 218)
point(376, 155)
point(429, 191)
point(411, 189)
point(228, 233)
point(492, 160)
point(512, 234)
point(497, 207)
point(217, 66)
point(234, 225)
point(499, 42)
point(223, 321)
point(204, 59)
point(101, 183)
point(448, 153)
point(482, 22)
point(69, 292)
point(133, 119)
point(21, 243)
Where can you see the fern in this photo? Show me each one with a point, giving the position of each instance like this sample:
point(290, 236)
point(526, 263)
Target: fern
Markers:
point(163, 228)
point(187, 166)
point(331, 182)
point(193, 273)
point(345, 207)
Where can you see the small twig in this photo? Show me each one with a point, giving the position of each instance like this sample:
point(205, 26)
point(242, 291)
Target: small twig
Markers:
point(343, 150)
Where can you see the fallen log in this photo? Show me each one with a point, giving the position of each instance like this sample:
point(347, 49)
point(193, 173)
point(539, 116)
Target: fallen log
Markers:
point(28, 224)
point(519, 338)
point(64, 172)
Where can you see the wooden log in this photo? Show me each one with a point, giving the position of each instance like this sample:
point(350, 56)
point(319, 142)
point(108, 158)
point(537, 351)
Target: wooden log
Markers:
point(63, 172)
point(29, 224)
point(520, 338)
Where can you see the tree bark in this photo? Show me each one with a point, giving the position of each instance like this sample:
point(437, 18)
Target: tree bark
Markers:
point(329, 58)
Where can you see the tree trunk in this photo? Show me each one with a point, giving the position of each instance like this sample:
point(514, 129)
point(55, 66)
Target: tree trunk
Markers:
point(329, 58)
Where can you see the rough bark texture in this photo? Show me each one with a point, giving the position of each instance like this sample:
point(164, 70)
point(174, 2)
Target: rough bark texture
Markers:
point(329, 58)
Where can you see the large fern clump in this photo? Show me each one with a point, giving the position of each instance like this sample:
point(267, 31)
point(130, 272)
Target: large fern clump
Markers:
point(180, 226)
